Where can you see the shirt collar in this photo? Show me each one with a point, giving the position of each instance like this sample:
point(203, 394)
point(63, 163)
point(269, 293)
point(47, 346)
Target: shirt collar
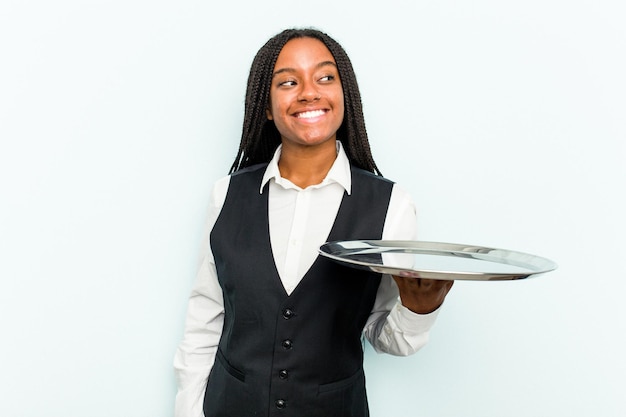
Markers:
point(339, 173)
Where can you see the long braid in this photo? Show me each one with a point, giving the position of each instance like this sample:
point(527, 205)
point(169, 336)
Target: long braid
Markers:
point(260, 138)
point(353, 129)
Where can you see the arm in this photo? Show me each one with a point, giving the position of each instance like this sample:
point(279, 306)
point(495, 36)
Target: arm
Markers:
point(405, 308)
point(203, 325)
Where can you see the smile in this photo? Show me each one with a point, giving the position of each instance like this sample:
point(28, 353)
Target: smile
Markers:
point(310, 114)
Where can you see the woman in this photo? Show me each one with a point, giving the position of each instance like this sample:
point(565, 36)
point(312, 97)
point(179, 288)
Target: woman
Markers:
point(273, 329)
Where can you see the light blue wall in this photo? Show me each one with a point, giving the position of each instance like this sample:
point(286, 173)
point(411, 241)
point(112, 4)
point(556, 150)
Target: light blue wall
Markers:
point(505, 120)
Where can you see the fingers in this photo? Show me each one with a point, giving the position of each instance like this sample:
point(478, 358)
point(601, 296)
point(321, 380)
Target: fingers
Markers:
point(422, 295)
point(438, 284)
point(424, 283)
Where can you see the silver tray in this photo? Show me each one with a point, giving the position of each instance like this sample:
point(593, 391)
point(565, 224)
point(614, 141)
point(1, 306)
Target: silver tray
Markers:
point(436, 260)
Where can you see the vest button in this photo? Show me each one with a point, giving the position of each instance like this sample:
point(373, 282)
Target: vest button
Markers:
point(287, 344)
point(288, 313)
point(283, 374)
point(280, 404)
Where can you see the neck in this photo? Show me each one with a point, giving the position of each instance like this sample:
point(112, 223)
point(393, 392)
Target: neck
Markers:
point(305, 166)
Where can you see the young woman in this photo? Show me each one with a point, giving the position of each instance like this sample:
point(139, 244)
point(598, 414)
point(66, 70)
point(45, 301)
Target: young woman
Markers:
point(273, 329)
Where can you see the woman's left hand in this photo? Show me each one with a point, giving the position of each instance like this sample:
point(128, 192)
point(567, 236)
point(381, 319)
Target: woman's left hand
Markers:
point(420, 295)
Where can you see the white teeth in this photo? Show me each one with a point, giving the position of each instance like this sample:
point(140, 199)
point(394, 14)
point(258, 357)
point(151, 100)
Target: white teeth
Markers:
point(310, 114)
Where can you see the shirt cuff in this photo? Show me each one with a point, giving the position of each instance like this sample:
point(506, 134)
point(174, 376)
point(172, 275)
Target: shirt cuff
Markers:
point(404, 331)
point(412, 323)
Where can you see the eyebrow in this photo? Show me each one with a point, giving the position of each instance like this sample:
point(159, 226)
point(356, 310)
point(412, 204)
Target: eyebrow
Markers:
point(320, 65)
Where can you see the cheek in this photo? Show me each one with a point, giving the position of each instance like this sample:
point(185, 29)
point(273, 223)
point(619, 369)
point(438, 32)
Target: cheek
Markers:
point(276, 115)
point(275, 108)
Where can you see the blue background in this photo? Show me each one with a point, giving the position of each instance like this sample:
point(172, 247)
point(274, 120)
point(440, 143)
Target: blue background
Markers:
point(505, 121)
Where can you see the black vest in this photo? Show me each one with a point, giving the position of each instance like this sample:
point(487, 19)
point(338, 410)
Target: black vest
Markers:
point(297, 355)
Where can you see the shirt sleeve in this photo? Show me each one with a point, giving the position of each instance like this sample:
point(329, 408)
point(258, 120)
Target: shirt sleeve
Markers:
point(391, 327)
point(203, 324)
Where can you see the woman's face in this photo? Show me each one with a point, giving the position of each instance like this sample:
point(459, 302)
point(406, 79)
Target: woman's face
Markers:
point(306, 97)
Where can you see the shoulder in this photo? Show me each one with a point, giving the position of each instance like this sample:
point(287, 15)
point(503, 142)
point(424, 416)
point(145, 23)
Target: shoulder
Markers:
point(251, 170)
point(368, 176)
point(222, 186)
point(401, 221)
point(248, 177)
point(401, 193)
point(218, 194)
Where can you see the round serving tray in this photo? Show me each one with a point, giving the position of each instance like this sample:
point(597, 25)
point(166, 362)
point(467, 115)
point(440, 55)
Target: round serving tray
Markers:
point(436, 260)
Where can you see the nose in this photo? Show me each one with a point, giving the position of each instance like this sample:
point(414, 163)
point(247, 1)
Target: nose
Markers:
point(308, 92)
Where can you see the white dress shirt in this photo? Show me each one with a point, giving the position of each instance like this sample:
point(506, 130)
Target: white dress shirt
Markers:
point(300, 220)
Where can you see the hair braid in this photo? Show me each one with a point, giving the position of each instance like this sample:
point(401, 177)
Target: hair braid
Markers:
point(260, 138)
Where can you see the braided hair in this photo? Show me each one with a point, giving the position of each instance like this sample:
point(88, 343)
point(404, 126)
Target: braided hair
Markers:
point(260, 138)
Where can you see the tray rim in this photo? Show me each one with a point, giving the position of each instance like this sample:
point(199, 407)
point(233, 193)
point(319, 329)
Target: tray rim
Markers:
point(537, 265)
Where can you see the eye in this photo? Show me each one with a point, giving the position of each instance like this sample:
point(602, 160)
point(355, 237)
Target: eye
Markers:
point(287, 83)
point(327, 78)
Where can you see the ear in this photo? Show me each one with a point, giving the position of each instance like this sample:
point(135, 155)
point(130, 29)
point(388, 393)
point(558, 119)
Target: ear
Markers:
point(268, 113)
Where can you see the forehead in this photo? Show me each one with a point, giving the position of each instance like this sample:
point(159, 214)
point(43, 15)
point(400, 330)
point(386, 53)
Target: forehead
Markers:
point(303, 51)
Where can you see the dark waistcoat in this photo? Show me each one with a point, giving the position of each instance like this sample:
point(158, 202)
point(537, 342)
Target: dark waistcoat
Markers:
point(297, 355)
